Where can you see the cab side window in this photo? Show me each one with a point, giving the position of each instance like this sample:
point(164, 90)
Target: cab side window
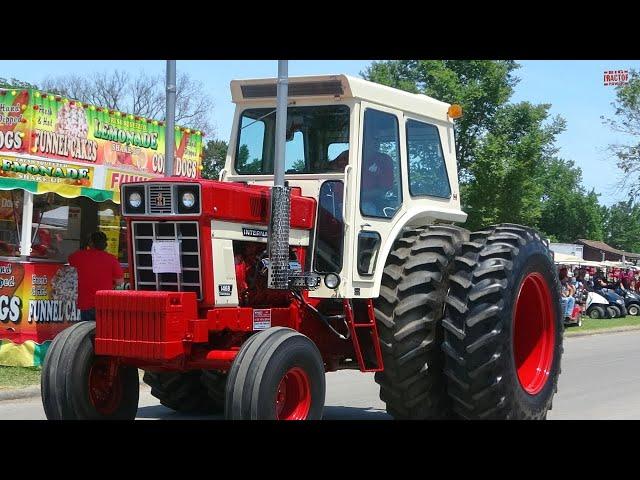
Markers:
point(381, 188)
point(427, 170)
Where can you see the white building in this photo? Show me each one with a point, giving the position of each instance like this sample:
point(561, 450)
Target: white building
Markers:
point(567, 249)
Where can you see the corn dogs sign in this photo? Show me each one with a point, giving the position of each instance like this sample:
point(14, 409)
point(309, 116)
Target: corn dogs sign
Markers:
point(54, 128)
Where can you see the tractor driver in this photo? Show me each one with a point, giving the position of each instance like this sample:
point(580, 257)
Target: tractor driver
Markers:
point(339, 163)
point(378, 183)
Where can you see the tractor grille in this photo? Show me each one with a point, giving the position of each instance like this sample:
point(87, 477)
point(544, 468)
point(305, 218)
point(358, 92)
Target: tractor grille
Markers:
point(160, 200)
point(190, 280)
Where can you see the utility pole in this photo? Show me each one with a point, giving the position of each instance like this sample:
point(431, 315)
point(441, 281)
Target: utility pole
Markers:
point(170, 129)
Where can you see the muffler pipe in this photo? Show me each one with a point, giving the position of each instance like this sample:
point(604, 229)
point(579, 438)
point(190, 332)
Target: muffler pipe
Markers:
point(279, 221)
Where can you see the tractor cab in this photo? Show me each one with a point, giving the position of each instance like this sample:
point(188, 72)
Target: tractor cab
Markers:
point(375, 159)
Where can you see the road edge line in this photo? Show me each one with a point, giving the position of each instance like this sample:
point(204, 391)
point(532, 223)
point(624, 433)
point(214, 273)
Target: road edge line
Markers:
point(600, 331)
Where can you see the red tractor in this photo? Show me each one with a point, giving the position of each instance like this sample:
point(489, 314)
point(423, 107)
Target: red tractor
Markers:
point(247, 290)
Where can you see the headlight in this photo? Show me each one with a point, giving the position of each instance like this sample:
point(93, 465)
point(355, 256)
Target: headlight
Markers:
point(135, 199)
point(188, 199)
point(331, 280)
point(621, 302)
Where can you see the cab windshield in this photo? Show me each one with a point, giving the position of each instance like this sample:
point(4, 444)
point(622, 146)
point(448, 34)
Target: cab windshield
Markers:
point(317, 140)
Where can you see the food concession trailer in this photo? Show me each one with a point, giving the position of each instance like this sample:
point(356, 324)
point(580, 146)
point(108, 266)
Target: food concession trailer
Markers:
point(61, 165)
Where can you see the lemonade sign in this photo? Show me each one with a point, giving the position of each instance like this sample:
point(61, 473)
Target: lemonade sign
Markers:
point(60, 129)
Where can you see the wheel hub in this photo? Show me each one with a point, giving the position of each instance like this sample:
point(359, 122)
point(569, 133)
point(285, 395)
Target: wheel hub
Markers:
point(105, 386)
point(533, 333)
point(293, 397)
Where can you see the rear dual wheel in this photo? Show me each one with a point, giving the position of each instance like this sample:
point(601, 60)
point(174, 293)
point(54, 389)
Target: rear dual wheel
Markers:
point(408, 313)
point(503, 326)
point(188, 392)
point(496, 353)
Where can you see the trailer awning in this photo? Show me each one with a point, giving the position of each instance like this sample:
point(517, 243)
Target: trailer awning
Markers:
point(64, 190)
point(566, 258)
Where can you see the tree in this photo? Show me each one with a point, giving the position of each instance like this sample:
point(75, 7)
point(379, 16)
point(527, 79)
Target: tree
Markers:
point(143, 95)
point(481, 87)
point(510, 161)
point(568, 212)
point(506, 152)
point(627, 122)
point(214, 157)
point(622, 226)
point(15, 83)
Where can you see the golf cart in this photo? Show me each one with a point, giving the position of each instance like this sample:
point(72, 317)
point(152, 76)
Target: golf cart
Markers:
point(631, 300)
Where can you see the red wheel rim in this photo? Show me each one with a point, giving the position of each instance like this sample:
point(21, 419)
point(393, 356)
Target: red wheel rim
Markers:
point(533, 333)
point(293, 398)
point(105, 389)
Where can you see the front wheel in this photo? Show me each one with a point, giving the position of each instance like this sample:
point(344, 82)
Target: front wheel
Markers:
point(597, 312)
point(78, 385)
point(278, 374)
point(634, 309)
point(503, 326)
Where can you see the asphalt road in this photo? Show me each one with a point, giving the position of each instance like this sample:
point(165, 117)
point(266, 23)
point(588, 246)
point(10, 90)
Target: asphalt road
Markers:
point(600, 380)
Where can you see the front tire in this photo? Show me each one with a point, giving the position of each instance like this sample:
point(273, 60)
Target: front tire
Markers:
point(634, 309)
point(278, 374)
point(597, 312)
point(408, 314)
point(503, 326)
point(78, 385)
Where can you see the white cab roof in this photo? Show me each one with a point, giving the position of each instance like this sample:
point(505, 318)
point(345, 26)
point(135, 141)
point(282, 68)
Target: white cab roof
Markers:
point(342, 86)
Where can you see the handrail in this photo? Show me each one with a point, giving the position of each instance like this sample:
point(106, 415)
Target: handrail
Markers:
point(345, 197)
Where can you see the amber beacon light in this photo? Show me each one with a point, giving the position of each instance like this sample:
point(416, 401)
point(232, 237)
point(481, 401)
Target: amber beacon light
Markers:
point(455, 111)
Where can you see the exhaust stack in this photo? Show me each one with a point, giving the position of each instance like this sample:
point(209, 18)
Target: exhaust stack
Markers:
point(279, 223)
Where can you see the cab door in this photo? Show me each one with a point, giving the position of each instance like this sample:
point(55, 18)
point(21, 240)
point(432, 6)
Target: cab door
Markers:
point(377, 191)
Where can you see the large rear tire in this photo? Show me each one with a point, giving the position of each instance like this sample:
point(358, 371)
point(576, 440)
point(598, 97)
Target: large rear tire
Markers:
point(78, 385)
point(215, 383)
point(408, 314)
point(503, 326)
point(278, 374)
point(181, 391)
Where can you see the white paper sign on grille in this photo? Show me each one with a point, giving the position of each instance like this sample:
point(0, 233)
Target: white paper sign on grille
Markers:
point(165, 256)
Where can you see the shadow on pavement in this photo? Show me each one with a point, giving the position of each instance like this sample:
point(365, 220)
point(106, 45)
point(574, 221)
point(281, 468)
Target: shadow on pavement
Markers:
point(354, 413)
point(330, 413)
point(158, 412)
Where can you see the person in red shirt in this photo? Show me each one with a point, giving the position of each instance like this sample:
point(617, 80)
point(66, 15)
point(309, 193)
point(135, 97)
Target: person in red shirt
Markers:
point(97, 270)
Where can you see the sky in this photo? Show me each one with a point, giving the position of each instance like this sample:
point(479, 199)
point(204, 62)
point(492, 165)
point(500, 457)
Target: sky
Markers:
point(574, 88)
